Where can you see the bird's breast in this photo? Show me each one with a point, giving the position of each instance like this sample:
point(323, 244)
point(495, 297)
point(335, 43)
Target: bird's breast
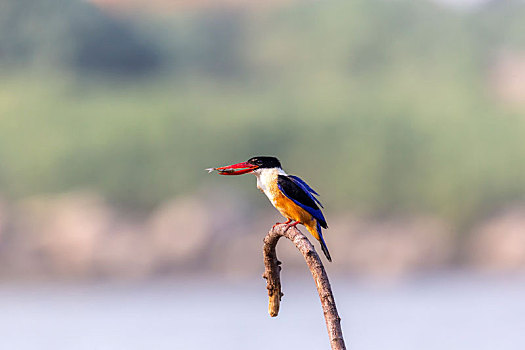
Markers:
point(267, 183)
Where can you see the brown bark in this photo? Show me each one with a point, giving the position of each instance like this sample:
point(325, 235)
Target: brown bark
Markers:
point(273, 280)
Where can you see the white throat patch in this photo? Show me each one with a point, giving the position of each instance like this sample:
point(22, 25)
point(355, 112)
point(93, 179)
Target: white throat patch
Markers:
point(266, 177)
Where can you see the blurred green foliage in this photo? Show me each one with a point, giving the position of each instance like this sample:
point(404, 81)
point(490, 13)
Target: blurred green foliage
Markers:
point(382, 106)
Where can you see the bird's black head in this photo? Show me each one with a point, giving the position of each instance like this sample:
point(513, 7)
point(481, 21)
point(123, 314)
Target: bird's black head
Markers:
point(265, 162)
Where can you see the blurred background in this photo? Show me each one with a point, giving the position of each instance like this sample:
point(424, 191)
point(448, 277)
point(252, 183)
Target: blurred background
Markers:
point(407, 116)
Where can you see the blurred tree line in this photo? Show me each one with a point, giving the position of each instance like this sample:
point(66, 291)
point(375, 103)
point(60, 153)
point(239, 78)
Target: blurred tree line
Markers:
point(79, 37)
point(385, 106)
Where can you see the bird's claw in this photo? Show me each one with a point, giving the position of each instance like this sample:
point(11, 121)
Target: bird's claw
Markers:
point(288, 225)
point(283, 223)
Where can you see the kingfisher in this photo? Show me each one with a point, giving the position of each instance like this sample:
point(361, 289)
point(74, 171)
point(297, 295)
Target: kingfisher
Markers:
point(289, 194)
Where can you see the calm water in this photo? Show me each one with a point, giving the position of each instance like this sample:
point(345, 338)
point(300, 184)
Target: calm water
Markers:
point(439, 313)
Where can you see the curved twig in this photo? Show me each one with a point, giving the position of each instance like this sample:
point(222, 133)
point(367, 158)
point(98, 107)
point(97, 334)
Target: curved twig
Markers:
point(273, 280)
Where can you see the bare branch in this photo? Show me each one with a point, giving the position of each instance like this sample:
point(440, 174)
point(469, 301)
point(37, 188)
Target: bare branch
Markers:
point(273, 280)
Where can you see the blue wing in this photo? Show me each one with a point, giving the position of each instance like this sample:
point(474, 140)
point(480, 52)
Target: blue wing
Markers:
point(305, 185)
point(310, 191)
point(301, 196)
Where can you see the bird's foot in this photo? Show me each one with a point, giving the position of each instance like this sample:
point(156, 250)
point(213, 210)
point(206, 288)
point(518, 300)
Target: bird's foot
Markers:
point(281, 223)
point(288, 225)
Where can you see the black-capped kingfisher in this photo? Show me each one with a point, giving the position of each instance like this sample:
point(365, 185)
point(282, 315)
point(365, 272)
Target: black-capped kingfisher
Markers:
point(294, 199)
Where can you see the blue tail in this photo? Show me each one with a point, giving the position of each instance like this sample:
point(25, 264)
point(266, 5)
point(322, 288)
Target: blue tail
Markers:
point(323, 244)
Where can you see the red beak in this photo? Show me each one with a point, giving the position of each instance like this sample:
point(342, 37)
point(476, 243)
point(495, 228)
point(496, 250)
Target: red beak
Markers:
point(244, 168)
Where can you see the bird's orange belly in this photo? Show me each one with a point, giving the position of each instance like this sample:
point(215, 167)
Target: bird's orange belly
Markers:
point(291, 210)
